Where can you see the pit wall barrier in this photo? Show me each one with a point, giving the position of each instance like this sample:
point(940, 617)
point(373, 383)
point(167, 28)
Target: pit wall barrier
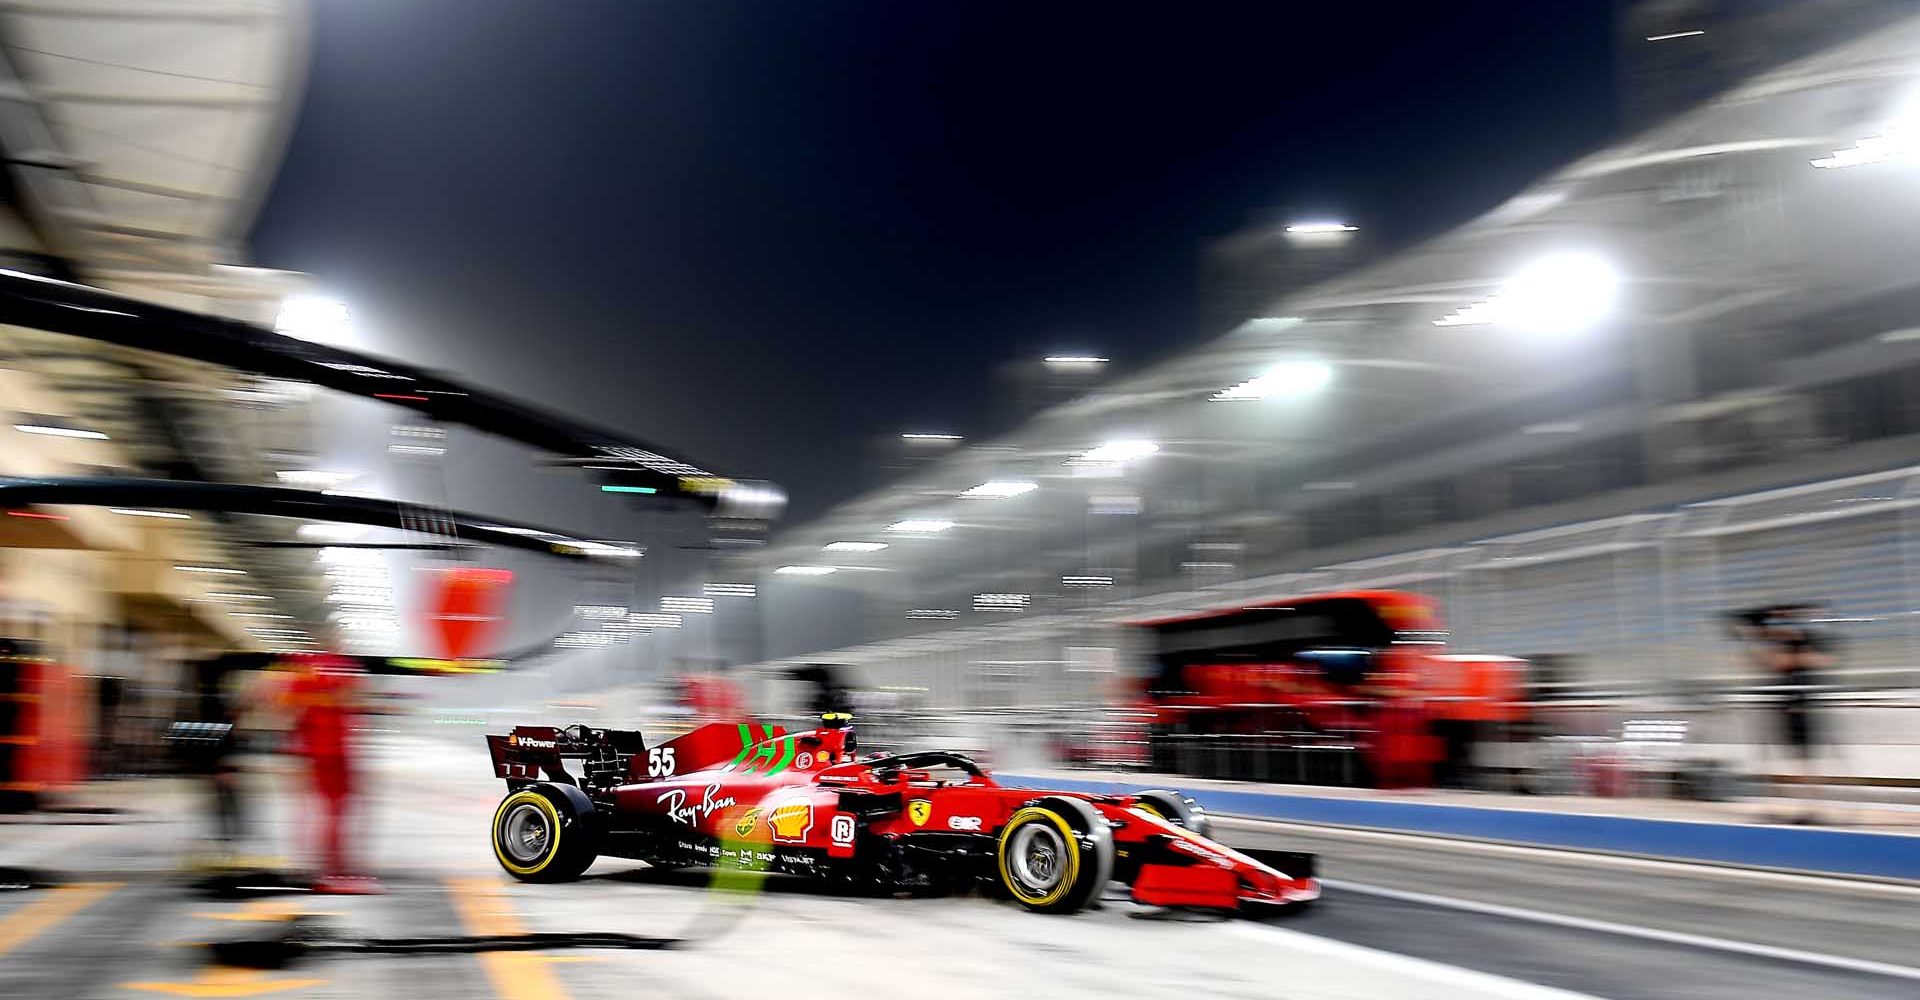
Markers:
point(1815, 851)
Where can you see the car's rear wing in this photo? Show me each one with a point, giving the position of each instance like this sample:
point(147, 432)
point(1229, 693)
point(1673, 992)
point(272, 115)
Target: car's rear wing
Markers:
point(535, 753)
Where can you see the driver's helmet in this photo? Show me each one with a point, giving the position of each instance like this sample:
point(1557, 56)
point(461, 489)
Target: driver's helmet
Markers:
point(837, 727)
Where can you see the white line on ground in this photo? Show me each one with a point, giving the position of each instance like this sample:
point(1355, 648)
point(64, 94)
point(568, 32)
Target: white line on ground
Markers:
point(1574, 856)
point(1470, 982)
point(1630, 930)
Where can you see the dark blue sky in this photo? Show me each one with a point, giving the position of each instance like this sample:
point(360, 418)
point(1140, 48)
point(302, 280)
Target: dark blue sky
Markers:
point(766, 232)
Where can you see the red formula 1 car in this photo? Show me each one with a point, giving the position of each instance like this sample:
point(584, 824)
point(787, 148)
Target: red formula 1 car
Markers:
point(756, 797)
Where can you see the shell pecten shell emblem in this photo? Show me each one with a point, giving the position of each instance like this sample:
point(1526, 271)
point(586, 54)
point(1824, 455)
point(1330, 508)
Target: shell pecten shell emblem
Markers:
point(791, 820)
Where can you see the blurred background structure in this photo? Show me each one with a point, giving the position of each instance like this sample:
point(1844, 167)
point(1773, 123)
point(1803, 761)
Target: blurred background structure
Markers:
point(1611, 492)
point(139, 142)
point(1670, 380)
point(1667, 382)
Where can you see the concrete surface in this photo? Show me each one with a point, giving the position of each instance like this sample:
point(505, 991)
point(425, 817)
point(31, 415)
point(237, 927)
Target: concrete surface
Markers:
point(122, 928)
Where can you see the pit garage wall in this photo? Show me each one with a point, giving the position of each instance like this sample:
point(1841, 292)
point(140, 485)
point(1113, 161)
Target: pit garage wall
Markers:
point(1634, 607)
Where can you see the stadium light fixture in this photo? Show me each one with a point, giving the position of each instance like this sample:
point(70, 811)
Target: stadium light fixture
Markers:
point(327, 531)
point(56, 430)
point(920, 526)
point(316, 319)
point(1320, 228)
point(1268, 324)
point(1671, 35)
point(363, 558)
point(315, 478)
point(1115, 453)
point(927, 437)
point(171, 515)
point(1898, 140)
point(807, 570)
point(854, 546)
point(1073, 361)
point(1286, 379)
point(999, 489)
point(1560, 293)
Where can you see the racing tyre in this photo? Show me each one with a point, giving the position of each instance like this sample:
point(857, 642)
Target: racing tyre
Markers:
point(542, 836)
point(1055, 855)
point(1175, 808)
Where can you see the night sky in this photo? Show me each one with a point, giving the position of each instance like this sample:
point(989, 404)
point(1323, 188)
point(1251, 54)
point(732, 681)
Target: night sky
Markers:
point(767, 233)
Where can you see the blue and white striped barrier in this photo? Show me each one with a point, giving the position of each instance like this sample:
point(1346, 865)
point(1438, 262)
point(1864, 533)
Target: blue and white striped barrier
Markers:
point(1841, 852)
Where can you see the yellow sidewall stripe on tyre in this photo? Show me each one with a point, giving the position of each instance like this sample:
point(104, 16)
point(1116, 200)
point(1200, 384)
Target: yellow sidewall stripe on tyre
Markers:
point(1067, 877)
point(553, 841)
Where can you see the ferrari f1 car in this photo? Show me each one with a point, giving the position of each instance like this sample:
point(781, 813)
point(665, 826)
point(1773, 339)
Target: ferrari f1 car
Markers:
point(760, 798)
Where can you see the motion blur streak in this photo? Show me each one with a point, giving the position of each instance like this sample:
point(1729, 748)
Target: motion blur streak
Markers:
point(1467, 981)
point(44, 914)
point(1628, 930)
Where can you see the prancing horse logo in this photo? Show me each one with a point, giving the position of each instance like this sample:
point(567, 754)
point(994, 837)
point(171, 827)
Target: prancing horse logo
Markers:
point(919, 810)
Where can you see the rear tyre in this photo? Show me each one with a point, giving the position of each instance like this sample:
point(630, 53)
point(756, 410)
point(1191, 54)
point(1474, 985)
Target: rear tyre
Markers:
point(1175, 808)
point(1055, 855)
point(541, 837)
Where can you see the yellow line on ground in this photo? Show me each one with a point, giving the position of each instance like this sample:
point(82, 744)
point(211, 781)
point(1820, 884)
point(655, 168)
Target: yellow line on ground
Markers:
point(516, 975)
point(225, 982)
point(49, 911)
point(258, 911)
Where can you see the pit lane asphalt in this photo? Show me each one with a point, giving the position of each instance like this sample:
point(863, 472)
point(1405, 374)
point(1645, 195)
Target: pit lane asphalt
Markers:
point(1827, 917)
point(433, 800)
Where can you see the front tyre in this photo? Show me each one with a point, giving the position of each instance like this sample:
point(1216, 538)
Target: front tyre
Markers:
point(538, 837)
point(1055, 855)
point(1175, 808)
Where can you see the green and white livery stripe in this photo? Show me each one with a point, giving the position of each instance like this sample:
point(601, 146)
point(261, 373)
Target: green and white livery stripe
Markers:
point(786, 756)
point(766, 748)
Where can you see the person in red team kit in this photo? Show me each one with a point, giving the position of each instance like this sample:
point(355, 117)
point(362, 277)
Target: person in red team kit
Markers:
point(323, 699)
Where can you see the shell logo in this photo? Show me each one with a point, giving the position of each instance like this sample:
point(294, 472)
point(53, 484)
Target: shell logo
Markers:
point(791, 821)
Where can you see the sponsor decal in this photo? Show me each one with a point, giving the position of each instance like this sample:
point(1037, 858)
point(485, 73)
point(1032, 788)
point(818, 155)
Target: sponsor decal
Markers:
point(919, 810)
point(804, 761)
point(841, 829)
point(747, 821)
point(674, 801)
point(1186, 846)
point(530, 742)
point(966, 824)
point(791, 821)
